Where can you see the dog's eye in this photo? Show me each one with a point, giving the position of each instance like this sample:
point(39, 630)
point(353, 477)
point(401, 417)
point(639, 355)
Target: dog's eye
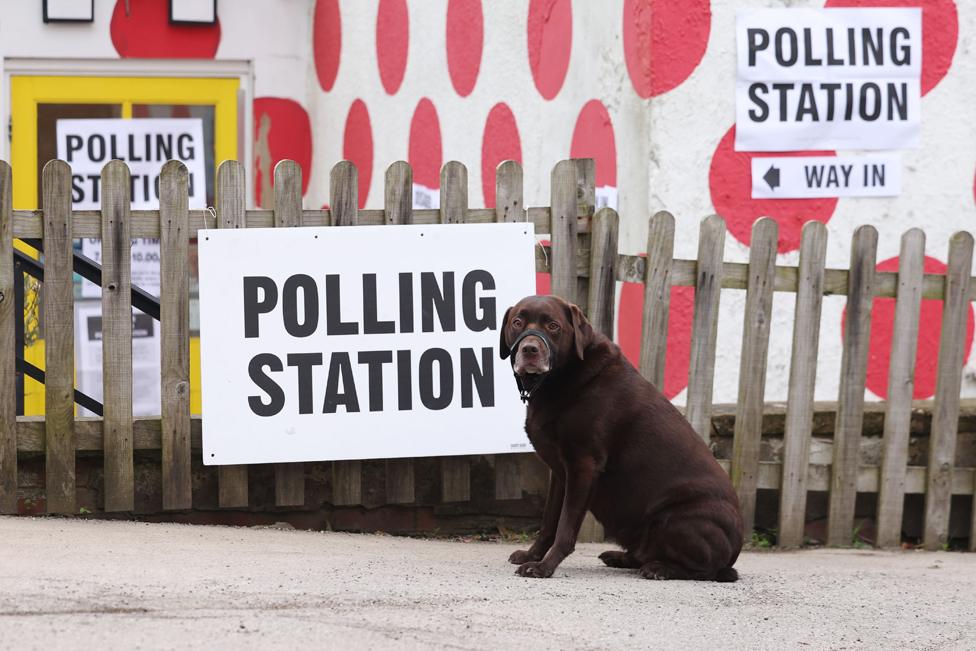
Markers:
point(516, 322)
point(552, 325)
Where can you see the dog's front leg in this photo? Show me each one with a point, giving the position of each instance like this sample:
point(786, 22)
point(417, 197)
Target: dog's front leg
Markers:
point(550, 520)
point(580, 474)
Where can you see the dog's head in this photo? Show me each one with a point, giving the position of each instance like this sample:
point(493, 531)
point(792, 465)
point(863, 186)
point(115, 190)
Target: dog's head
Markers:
point(543, 334)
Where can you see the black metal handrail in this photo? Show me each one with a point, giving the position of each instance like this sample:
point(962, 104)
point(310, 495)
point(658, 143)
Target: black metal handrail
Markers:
point(87, 269)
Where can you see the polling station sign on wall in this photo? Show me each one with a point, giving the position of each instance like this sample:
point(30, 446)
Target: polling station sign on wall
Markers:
point(360, 343)
point(828, 79)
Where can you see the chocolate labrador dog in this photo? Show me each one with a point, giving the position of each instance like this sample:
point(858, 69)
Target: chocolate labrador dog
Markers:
point(616, 447)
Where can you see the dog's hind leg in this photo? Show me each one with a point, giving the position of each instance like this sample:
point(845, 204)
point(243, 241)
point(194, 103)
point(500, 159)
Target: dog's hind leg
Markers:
point(614, 558)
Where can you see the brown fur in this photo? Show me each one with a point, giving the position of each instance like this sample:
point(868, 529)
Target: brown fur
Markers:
point(618, 448)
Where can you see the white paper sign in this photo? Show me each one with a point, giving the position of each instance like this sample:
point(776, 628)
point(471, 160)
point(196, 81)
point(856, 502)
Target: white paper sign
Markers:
point(828, 78)
point(360, 343)
point(805, 177)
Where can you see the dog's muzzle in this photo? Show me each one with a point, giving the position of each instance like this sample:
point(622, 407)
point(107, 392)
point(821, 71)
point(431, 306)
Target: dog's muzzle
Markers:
point(527, 389)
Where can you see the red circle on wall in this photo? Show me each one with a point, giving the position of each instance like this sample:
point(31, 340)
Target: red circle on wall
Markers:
point(147, 33)
point(940, 33)
point(677, 358)
point(286, 125)
point(327, 42)
point(500, 142)
point(550, 36)
point(593, 138)
point(929, 331)
point(730, 183)
point(424, 149)
point(357, 146)
point(465, 38)
point(664, 41)
point(392, 40)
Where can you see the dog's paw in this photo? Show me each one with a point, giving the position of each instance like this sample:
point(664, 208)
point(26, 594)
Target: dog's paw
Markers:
point(522, 556)
point(656, 571)
point(614, 558)
point(534, 569)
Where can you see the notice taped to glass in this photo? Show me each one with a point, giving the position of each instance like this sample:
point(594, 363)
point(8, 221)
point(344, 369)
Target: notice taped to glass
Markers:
point(824, 79)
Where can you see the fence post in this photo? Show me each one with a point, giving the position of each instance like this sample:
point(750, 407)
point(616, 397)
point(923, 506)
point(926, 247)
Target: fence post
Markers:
point(8, 348)
point(117, 337)
point(585, 207)
point(455, 471)
point(59, 356)
point(901, 384)
point(230, 199)
point(752, 367)
point(850, 404)
point(398, 207)
point(704, 329)
point(564, 229)
point(803, 378)
point(347, 476)
point(174, 325)
point(945, 412)
point(657, 297)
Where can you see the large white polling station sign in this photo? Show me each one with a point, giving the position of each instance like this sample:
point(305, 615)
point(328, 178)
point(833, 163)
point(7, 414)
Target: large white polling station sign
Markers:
point(366, 342)
point(828, 78)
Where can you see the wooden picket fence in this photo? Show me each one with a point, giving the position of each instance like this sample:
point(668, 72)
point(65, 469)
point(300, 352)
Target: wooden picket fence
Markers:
point(585, 265)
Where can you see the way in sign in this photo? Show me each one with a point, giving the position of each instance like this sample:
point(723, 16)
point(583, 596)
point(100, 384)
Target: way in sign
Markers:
point(805, 177)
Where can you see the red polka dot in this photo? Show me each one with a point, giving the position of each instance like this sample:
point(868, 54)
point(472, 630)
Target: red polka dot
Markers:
point(392, 39)
point(147, 33)
point(289, 134)
point(543, 281)
point(357, 146)
point(664, 42)
point(593, 138)
point(424, 151)
point(500, 142)
point(929, 331)
point(550, 33)
point(680, 317)
point(465, 37)
point(730, 182)
point(327, 42)
point(940, 33)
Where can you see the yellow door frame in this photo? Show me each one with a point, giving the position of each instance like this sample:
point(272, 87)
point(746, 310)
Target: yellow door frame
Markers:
point(27, 91)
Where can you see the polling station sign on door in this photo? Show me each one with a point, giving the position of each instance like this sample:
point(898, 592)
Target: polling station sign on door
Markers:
point(366, 342)
point(828, 79)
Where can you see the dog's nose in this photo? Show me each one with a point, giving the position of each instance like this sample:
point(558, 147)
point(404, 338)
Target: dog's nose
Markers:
point(530, 349)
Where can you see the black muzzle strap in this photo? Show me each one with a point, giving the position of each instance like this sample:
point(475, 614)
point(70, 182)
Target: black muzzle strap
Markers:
point(526, 392)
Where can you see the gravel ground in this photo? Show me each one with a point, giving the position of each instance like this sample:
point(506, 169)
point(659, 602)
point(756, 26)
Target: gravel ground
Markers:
point(68, 583)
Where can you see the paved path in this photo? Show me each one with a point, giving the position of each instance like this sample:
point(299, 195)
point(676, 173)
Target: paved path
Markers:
point(96, 584)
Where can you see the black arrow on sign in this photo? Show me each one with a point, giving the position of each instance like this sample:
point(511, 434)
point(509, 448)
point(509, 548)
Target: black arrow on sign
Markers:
point(772, 177)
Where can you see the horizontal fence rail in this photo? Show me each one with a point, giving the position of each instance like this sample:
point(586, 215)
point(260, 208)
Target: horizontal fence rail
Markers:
point(585, 265)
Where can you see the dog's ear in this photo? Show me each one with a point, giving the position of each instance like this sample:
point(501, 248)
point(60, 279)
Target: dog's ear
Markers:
point(582, 330)
point(502, 344)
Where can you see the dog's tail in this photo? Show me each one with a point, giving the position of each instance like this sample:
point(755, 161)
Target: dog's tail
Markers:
point(727, 575)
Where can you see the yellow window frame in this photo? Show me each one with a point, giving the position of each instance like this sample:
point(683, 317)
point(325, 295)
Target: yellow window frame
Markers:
point(28, 91)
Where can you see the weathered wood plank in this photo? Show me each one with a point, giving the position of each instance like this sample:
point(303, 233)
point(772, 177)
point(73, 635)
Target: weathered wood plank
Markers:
point(289, 477)
point(344, 195)
point(174, 324)
point(945, 415)
point(455, 471)
point(901, 384)
point(59, 356)
point(603, 277)
point(8, 348)
point(509, 206)
point(230, 197)
point(564, 231)
point(657, 297)
point(850, 407)
point(752, 367)
point(585, 205)
point(117, 337)
point(803, 376)
point(398, 195)
point(704, 329)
